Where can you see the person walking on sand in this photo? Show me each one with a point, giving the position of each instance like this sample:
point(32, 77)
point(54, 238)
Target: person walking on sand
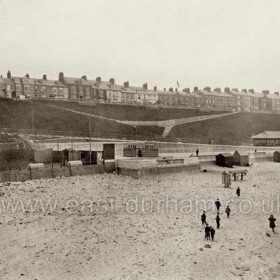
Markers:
point(218, 204)
point(272, 223)
point(207, 232)
point(238, 191)
point(228, 211)
point(197, 152)
point(203, 218)
point(212, 233)
point(218, 221)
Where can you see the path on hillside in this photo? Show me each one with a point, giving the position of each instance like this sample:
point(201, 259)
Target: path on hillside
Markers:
point(169, 124)
point(166, 124)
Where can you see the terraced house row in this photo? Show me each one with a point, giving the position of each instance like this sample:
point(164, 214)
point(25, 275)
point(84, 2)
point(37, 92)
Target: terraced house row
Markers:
point(101, 91)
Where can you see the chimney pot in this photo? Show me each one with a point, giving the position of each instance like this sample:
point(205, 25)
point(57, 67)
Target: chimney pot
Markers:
point(145, 86)
point(217, 90)
point(251, 90)
point(265, 91)
point(227, 89)
point(27, 75)
point(187, 90)
point(112, 81)
point(84, 77)
point(44, 77)
point(155, 88)
point(171, 89)
point(98, 79)
point(235, 89)
point(276, 93)
point(61, 76)
point(126, 84)
point(244, 90)
point(9, 75)
point(207, 89)
point(195, 89)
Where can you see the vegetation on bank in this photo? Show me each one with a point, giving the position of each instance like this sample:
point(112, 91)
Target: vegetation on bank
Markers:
point(130, 112)
point(233, 129)
point(25, 115)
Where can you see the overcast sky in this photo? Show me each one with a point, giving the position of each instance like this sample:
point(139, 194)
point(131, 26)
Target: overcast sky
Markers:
point(201, 43)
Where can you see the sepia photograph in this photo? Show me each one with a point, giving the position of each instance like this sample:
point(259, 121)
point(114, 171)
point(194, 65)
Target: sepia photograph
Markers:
point(139, 140)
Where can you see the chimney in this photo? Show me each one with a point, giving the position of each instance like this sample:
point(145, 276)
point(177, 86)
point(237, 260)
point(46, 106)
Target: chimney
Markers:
point(126, 84)
point(27, 75)
point(171, 89)
point(276, 93)
point(195, 89)
point(235, 89)
point(44, 77)
point(227, 89)
point(217, 90)
point(61, 77)
point(145, 86)
point(187, 90)
point(164, 89)
point(244, 90)
point(84, 77)
point(155, 88)
point(207, 89)
point(252, 90)
point(112, 81)
point(265, 91)
point(9, 75)
point(98, 79)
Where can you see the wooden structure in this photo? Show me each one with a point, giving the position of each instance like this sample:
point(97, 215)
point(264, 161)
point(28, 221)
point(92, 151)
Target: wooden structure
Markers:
point(267, 138)
point(108, 151)
point(225, 160)
point(241, 159)
point(70, 155)
point(276, 156)
point(144, 150)
point(242, 173)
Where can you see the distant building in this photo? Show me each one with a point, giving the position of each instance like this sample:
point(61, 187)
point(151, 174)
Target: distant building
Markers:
point(45, 88)
point(267, 138)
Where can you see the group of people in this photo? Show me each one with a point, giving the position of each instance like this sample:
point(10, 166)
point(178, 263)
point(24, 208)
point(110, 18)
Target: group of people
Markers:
point(210, 231)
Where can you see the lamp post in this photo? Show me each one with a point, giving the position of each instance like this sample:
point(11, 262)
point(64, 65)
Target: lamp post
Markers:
point(89, 137)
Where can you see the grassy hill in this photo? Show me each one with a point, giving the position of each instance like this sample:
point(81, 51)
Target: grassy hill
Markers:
point(17, 115)
point(129, 112)
point(234, 129)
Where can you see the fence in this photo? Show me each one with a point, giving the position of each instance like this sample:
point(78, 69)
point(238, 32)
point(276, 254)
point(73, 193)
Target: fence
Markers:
point(54, 171)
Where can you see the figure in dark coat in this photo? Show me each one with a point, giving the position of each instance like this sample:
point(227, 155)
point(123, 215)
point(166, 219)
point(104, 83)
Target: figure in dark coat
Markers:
point(212, 233)
point(238, 191)
point(197, 152)
point(228, 211)
point(218, 204)
point(218, 221)
point(207, 232)
point(203, 218)
point(272, 222)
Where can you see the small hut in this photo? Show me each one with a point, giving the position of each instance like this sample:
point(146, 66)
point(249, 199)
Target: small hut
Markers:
point(276, 156)
point(241, 159)
point(70, 155)
point(225, 160)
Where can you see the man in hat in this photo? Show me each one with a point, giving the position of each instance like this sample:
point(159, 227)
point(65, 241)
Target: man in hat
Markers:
point(228, 211)
point(212, 233)
point(272, 222)
point(203, 218)
point(207, 232)
point(218, 220)
point(238, 191)
point(218, 204)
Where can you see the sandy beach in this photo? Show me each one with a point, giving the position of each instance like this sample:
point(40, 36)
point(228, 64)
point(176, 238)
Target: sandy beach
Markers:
point(120, 228)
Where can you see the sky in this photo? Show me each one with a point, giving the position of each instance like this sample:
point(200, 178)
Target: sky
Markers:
point(214, 43)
